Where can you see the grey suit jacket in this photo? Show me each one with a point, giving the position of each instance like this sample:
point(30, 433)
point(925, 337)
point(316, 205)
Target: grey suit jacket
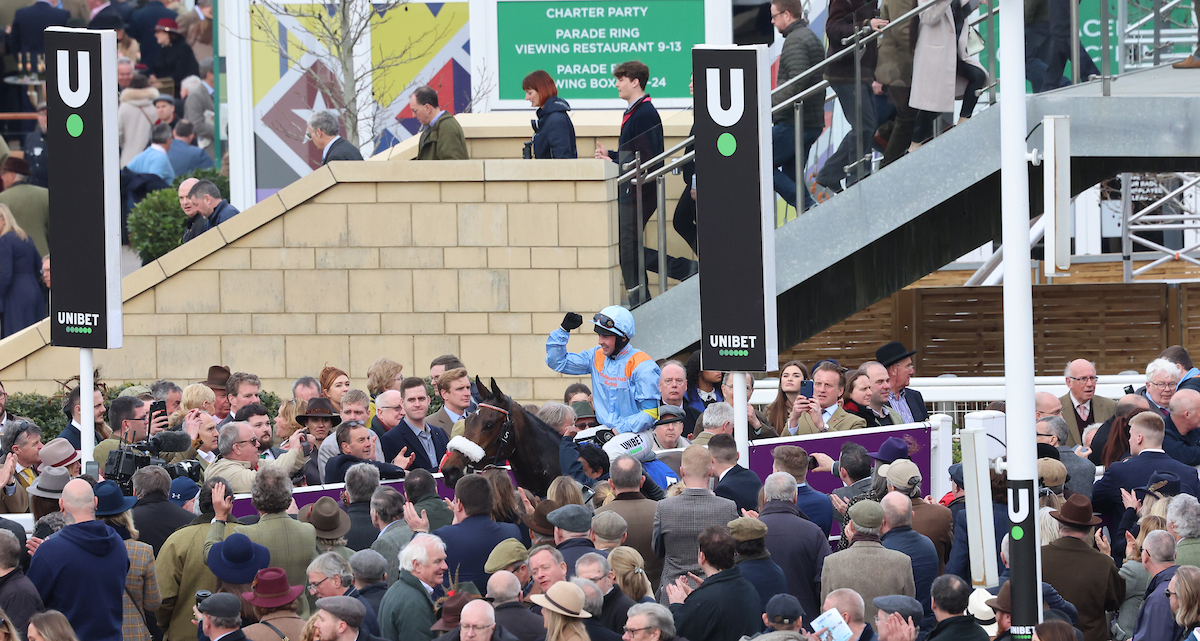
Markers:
point(1102, 410)
point(442, 420)
point(390, 542)
point(193, 111)
point(677, 522)
point(1081, 470)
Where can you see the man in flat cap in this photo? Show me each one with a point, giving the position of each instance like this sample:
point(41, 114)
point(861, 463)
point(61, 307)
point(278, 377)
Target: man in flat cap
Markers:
point(784, 617)
point(221, 617)
point(753, 559)
point(904, 609)
point(572, 529)
point(866, 566)
point(608, 530)
point(669, 428)
point(339, 618)
point(511, 556)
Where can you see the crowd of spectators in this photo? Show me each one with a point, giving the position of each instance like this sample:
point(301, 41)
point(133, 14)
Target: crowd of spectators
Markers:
point(704, 549)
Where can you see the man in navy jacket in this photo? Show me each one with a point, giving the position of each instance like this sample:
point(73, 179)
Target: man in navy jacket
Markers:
point(641, 131)
point(734, 482)
point(796, 545)
point(898, 535)
point(427, 441)
point(472, 538)
point(81, 570)
point(1181, 440)
point(1146, 432)
point(28, 24)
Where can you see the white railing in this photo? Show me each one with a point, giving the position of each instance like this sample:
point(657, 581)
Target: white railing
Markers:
point(980, 389)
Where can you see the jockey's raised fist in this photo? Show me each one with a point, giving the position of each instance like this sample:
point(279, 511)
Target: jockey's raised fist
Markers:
point(571, 321)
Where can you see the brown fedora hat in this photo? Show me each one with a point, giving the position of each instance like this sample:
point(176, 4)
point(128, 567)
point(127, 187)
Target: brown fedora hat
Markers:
point(217, 376)
point(1077, 511)
point(539, 521)
point(327, 518)
point(319, 407)
point(1003, 600)
point(452, 609)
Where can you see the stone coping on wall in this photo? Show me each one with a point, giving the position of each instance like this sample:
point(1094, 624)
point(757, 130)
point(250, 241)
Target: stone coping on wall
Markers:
point(604, 124)
point(253, 220)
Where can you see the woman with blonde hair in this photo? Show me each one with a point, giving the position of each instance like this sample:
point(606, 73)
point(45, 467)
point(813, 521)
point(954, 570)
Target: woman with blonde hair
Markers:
point(630, 568)
point(51, 625)
point(311, 633)
point(384, 374)
point(334, 384)
point(8, 631)
point(20, 273)
point(285, 420)
point(141, 583)
point(195, 396)
point(1137, 578)
point(1184, 595)
point(565, 490)
point(562, 612)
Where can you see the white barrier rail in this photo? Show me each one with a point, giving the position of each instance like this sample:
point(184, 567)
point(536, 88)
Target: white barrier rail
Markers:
point(951, 389)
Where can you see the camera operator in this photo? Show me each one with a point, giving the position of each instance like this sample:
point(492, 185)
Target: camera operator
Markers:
point(129, 417)
point(239, 462)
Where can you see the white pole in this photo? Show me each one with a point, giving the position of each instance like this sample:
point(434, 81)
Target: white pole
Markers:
point(87, 414)
point(741, 432)
point(239, 72)
point(1018, 323)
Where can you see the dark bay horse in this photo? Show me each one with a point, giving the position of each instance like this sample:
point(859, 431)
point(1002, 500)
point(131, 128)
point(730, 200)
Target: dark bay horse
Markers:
point(501, 430)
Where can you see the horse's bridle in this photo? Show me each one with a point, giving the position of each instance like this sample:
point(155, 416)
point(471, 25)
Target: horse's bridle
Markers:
point(507, 447)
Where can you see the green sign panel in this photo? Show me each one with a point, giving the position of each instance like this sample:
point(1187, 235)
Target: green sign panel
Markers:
point(578, 42)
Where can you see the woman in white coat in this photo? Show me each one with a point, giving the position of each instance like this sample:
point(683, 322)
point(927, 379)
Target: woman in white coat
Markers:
point(136, 116)
point(942, 68)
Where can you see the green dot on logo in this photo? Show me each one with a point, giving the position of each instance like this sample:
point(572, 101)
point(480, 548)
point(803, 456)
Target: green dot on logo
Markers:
point(726, 144)
point(1017, 533)
point(75, 125)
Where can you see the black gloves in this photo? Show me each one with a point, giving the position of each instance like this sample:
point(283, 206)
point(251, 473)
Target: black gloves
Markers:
point(571, 321)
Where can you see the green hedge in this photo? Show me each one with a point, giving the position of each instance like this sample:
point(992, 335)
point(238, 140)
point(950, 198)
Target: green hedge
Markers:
point(156, 223)
point(47, 411)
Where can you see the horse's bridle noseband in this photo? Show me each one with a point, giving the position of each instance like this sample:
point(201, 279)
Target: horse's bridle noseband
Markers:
point(506, 446)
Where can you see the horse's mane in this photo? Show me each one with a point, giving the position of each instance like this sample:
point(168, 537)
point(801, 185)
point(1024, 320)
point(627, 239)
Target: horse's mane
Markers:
point(530, 418)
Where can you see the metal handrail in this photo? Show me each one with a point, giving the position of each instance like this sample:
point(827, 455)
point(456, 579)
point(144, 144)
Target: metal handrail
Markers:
point(863, 39)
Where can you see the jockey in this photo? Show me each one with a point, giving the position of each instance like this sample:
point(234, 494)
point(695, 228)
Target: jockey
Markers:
point(624, 379)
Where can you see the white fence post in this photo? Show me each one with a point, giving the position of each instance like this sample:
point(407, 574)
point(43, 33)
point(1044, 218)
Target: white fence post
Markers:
point(981, 528)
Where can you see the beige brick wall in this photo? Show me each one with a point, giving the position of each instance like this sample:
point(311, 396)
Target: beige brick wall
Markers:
point(500, 135)
point(407, 260)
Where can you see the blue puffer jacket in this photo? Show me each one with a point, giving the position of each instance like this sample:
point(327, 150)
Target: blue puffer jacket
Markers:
point(553, 132)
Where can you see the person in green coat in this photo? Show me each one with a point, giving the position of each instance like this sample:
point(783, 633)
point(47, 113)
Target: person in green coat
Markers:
point(30, 204)
point(407, 610)
point(441, 136)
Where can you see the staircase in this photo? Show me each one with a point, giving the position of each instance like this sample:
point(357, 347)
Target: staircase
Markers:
point(930, 207)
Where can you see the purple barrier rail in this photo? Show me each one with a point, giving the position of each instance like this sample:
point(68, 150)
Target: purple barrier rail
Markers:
point(917, 434)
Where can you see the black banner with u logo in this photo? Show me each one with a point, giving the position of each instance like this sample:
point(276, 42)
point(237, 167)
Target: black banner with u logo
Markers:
point(735, 208)
point(85, 207)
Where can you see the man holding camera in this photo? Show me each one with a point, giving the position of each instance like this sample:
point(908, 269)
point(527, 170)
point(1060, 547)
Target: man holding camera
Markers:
point(239, 462)
point(130, 419)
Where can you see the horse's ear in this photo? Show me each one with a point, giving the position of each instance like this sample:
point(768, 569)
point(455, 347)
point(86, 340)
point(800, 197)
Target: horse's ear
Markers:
point(496, 389)
point(479, 385)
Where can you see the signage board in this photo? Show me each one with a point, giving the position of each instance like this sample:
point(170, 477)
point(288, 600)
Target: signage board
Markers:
point(85, 229)
point(579, 42)
point(735, 208)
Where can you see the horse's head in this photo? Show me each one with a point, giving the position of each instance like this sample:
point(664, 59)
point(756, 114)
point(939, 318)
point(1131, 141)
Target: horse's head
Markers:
point(487, 437)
